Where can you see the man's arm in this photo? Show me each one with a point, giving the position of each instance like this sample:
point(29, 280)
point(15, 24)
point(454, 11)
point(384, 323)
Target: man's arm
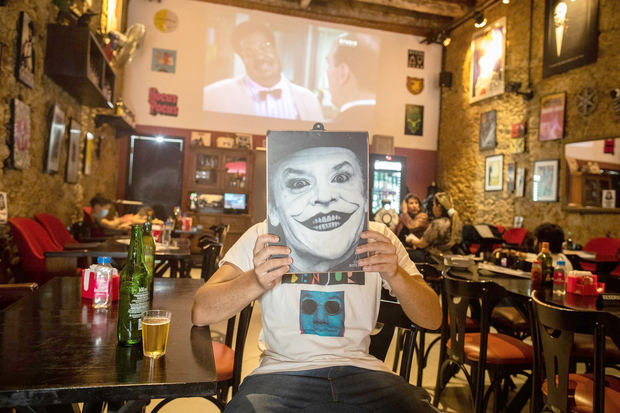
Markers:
point(417, 299)
point(230, 289)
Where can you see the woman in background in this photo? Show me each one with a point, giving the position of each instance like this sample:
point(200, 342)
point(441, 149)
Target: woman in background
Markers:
point(412, 220)
point(443, 233)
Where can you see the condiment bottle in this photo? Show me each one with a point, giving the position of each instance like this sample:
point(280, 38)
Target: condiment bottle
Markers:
point(536, 275)
point(547, 263)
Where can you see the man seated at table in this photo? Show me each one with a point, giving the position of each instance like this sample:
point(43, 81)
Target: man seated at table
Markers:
point(554, 235)
point(104, 219)
point(317, 334)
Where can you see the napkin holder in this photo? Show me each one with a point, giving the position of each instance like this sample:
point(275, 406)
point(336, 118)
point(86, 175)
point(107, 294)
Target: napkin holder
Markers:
point(88, 284)
point(583, 283)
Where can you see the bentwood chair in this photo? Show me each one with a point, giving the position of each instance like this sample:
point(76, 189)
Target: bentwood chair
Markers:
point(228, 359)
point(499, 354)
point(210, 259)
point(553, 340)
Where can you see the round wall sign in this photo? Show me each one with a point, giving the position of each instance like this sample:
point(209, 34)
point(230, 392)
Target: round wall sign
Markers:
point(587, 100)
point(166, 20)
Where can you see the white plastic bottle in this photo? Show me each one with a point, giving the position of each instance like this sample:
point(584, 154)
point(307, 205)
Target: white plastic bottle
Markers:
point(559, 278)
point(103, 283)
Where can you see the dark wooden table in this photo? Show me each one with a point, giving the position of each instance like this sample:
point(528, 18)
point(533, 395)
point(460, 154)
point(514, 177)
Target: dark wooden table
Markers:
point(56, 349)
point(175, 259)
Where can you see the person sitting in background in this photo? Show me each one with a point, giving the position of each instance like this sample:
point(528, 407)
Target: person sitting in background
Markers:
point(412, 220)
point(443, 233)
point(102, 213)
point(554, 235)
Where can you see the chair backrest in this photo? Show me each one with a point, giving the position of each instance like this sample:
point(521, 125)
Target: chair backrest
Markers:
point(32, 242)
point(604, 247)
point(553, 336)
point(210, 259)
point(457, 296)
point(242, 333)
point(514, 236)
point(55, 228)
point(391, 316)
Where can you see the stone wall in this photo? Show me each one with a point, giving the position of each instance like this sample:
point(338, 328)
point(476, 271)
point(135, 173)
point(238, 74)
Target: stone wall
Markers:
point(31, 191)
point(461, 162)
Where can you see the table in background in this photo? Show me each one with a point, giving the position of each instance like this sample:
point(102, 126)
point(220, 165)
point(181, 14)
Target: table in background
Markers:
point(56, 349)
point(173, 259)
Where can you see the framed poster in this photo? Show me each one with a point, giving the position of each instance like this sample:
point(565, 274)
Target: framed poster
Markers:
point(608, 198)
point(321, 232)
point(520, 182)
point(510, 177)
point(73, 152)
point(57, 134)
point(414, 120)
point(89, 151)
point(552, 117)
point(488, 51)
point(493, 171)
point(4, 209)
point(488, 126)
point(545, 181)
point(24, 70)
point(571, 35)
point(20, 142)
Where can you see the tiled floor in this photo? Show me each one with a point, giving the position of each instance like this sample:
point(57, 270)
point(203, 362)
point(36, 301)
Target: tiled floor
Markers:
point(455, 397)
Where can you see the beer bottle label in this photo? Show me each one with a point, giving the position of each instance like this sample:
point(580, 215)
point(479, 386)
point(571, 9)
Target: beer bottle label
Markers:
point(139, 304)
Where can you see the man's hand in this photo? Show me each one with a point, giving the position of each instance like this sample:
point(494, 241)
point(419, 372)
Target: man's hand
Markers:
point(382, 256)
point(269, 270)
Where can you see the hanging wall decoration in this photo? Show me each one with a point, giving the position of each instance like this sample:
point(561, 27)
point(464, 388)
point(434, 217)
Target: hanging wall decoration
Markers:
point(493, 171)
point(164, 60)
point(510, 177)
point(587, 101)
point(24, 70)
point(414, 120)
point(615, 100)
point(89, 150)
point(73, 152)
point(57, 134)
point(520, 182)
point(415, 85)
point(571, 35)
point(166, 20)
point(4, 209)
point(488, 126)
point(415, 59)
point(552, 117)
point(545, 180)
point(488, 51)
point(20, 139)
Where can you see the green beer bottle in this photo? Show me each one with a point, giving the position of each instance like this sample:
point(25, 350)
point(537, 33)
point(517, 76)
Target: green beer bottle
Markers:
point(148, 243)
point(133, 299)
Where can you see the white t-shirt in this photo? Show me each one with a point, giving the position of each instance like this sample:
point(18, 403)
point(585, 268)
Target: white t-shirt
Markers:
point(312, 321)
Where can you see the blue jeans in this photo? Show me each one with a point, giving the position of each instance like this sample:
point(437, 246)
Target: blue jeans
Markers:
point(333, 389)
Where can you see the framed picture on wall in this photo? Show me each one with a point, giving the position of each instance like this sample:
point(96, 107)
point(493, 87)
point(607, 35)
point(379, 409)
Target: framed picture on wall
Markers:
point(57, 134)
point(20, 136)
point(552, 117)
point(414, 120)
point(520, 182)
point(493, 171)
point(73, 152)
point(24, 70)
point(488, 51)
point(89, 152)
point(4, 209)
point(510, 177)
point(545, 181)
point(571, 35)
point(488, 126)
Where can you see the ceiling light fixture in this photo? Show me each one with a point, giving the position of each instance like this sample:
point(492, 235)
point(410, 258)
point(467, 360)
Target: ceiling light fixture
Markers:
point(506, 1)
point(444, 38)
point(479, 20)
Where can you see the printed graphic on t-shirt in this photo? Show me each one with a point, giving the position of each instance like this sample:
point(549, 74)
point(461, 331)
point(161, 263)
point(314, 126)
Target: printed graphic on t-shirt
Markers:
point(325, 278)
point(322, 313)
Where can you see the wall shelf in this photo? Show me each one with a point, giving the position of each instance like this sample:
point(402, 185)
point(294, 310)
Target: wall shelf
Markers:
point(76, 62)
point(120, 123)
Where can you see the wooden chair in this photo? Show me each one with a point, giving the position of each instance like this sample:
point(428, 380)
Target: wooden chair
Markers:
point(55, 228)
point(228, 359)
point(499, 354)
point(554, 338)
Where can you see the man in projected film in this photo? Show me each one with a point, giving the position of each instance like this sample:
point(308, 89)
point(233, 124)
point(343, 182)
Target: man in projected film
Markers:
point(317, 202)
point(263, 90)
point(317, 325)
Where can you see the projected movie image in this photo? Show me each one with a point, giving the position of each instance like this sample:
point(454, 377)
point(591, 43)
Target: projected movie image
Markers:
point(272, 67)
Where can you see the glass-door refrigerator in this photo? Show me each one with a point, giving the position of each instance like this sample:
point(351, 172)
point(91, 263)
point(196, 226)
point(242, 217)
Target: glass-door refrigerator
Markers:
point(387, 181)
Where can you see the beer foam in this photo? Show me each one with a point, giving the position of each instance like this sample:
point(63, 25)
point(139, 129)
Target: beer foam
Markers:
point(154, 321)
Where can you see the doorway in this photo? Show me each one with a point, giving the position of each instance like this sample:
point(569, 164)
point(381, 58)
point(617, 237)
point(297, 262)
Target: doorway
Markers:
point(156, 173)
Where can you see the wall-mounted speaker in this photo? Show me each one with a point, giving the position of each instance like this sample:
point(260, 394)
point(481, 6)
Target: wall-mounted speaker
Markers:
point(445, 79)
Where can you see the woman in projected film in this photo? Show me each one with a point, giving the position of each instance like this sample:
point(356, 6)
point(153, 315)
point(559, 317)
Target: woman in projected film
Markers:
point(317, 197)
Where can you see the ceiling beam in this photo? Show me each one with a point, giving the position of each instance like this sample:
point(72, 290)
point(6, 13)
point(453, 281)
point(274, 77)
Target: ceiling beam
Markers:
point(439, 7)
point(350, 12)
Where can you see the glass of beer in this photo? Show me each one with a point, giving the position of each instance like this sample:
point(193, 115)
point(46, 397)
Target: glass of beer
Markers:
point(155, 328)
